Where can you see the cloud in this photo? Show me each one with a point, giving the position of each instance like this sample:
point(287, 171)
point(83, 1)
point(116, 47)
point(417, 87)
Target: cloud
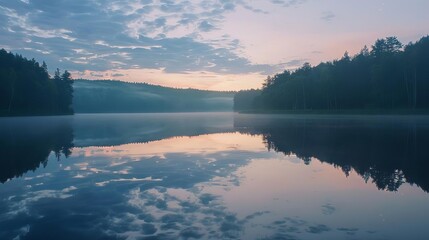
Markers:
point(146, 179)
point(117, 75)
point(349, 231)
point(96, 75)
point(188, 213)
point(288, 3)
point(94, 35)
point(205, 26)
point(328, 16)
point(249, 7)
point(17, 22)
point(22, 205)
point(328, 209)
point(294, 63)
point(317, 229)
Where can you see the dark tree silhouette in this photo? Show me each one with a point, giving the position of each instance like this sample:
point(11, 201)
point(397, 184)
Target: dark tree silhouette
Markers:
point(27, 89)
point(389, 76)
point(245, 100)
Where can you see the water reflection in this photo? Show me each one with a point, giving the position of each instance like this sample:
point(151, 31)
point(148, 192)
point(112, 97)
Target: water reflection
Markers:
point(117, 129)
point(211, 176)
point(389, 150)
point(25, 143)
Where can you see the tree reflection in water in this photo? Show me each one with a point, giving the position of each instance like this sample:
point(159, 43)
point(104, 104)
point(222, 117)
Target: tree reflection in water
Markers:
point(26, 143)
point(386, 150)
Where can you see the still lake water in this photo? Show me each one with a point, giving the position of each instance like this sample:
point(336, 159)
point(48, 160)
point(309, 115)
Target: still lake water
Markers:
point(214, 176)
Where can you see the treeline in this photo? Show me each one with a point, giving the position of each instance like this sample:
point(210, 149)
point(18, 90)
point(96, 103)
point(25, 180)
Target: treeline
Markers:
point(109, 96)
point(387, 76)
point(27, 89)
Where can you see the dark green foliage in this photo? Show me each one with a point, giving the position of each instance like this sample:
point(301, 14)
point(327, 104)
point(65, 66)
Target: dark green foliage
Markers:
point(107, 96)
point(245, 100)
point(27, 89)
point(389, 76)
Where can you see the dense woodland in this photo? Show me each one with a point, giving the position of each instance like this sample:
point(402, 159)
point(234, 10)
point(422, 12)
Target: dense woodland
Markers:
point(27, 88)
point(108, 96)
point(387, 76)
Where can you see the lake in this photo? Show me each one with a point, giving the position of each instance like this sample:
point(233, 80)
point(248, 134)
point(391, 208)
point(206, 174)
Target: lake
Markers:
point(214, 176)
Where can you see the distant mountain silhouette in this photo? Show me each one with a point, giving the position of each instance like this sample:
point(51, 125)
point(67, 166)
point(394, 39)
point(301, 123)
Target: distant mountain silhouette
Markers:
point(109, 96)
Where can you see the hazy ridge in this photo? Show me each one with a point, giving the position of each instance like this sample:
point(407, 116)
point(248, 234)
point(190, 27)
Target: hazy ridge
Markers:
point(110, 96)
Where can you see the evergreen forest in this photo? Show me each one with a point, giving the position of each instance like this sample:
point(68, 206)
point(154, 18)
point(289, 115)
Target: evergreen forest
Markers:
point(388, 76)
point(27, 88)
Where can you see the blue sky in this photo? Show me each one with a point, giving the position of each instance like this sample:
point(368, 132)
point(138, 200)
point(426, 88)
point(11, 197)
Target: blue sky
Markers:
point(208, 44)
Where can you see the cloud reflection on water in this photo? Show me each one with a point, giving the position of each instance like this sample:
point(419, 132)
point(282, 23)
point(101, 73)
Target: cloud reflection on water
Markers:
point(215, 182)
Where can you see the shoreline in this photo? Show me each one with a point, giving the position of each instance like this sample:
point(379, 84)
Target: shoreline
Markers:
point(375, 112)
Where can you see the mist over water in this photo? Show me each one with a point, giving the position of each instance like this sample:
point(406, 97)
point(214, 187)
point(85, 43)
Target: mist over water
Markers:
point(214, 176)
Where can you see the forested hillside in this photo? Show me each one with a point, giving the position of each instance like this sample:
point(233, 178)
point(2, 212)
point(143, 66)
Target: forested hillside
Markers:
point(27, 89)
point(108, 96)
point(387, 76)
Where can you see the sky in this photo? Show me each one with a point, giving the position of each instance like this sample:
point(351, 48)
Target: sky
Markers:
point(206, 44)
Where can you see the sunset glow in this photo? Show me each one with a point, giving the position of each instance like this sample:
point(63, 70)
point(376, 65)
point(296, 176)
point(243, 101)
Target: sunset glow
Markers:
point(216, 45)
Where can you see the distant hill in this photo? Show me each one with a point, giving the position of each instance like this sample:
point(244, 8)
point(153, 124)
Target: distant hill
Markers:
point(110, 96)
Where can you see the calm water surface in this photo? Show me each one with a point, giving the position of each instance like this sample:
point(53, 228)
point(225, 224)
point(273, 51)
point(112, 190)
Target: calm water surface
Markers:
point(214, 176)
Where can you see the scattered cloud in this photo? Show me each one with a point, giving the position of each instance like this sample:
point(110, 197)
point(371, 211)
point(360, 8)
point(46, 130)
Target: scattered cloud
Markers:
point(205, 26)
point(117, 75)
point(292, 64)
point(158, 34)
point(328, 16)
point(328, 209)
point(147, 179)
point(218, 36)
point(288, 3)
